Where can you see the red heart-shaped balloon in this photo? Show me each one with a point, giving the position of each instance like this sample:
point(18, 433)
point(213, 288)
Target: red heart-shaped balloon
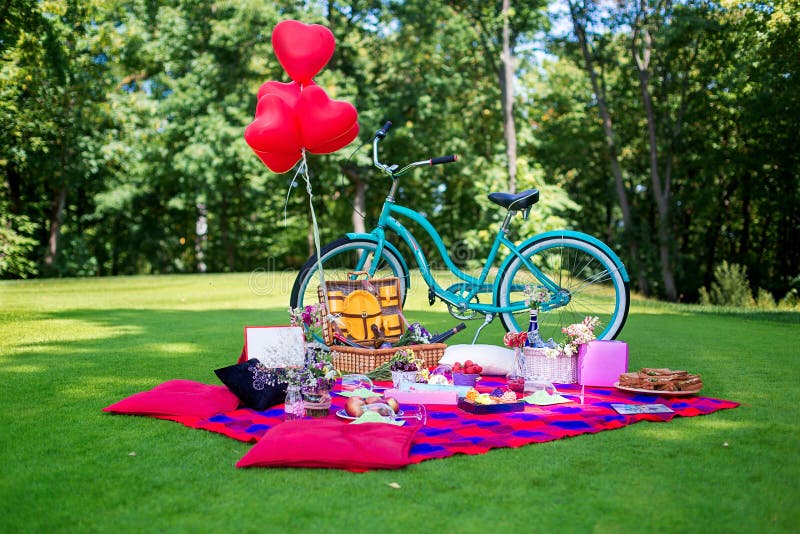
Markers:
point(323, 120)
point(279, 161)
point(340, 142)
point(274, 128)
point(302, 49)
point(289, 92)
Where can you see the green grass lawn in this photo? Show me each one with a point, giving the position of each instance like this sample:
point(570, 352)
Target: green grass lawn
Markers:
point(68, 348)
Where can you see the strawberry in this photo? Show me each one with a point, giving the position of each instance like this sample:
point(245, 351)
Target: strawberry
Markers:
point(468, 363)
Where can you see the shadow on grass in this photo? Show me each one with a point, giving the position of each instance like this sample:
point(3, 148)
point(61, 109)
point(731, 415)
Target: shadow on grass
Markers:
point(120, 350)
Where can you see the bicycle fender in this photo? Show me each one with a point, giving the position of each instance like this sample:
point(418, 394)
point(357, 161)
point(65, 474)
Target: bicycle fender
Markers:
point(575, 235)
point(386, 244)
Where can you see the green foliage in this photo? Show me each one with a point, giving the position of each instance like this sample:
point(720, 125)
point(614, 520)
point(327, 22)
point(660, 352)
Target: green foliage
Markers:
point(729, 288)
point(16, 246)
point(123, 128)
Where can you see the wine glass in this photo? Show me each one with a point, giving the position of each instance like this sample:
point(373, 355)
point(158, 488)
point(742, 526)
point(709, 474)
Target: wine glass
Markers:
point(535, 384)
point(416, 412)
point(356, 381)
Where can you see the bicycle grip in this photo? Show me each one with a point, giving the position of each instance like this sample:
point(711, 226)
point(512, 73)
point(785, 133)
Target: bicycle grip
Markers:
point(444, 159)
point(380, 134)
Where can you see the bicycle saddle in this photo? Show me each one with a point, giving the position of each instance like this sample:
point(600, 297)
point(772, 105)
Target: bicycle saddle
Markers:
point(517, 202)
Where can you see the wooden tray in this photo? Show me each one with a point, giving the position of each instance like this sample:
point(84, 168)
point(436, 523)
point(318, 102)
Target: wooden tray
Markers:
point(483, 409)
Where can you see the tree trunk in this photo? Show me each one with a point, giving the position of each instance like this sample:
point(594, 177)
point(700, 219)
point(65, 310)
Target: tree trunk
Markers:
point(201, 236)
point(359, 199)
point(661, 191)
point(616, 170)
point(56, 219)
point(507, 98)
point(227, 245)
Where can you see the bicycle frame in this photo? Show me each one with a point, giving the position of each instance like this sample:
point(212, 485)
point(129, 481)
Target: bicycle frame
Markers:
point(387, 220)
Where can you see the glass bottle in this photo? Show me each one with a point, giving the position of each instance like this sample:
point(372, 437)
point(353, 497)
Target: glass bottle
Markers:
point(533, 340)
point(294, 407)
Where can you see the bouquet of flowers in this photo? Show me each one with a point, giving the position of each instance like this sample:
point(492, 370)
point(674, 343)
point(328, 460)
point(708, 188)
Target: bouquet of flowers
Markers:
point(515, 340)
point(577, 335)
point(318, 370)
point(416, 334)
point(405, 360)
point(534, 296)
point(311, 318)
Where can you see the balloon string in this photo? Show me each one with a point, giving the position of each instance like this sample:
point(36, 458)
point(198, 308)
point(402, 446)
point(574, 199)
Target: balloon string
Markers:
point(315, 229)
point(300, 169)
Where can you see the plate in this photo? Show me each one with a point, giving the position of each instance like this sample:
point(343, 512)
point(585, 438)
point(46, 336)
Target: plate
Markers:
point(655, 393)
point(343, 414)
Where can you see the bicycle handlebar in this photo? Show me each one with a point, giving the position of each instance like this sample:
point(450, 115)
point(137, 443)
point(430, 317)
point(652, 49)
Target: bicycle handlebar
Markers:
point(444, 159)
point(380, 134)
point(392, 170)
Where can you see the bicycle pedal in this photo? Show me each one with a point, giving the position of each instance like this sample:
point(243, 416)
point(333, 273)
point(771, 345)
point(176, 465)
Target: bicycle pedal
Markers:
point(431, 296)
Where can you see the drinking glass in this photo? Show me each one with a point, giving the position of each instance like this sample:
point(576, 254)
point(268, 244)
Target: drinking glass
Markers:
point(532, 385)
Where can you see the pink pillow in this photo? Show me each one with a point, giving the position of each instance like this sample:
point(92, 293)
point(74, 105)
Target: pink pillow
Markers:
point(178, 398)
point(332, 443)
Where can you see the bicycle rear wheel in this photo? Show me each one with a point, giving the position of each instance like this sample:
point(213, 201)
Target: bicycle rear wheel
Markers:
point(341, 257)
point(589, 279)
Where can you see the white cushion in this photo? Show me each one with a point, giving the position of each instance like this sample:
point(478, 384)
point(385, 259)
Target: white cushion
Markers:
point(494, 360)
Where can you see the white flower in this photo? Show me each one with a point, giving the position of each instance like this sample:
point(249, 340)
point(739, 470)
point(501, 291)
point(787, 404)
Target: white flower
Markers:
point(551, 353)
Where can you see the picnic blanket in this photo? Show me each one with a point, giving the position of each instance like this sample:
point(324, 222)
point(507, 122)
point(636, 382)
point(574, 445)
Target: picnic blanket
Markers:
point(451, 431)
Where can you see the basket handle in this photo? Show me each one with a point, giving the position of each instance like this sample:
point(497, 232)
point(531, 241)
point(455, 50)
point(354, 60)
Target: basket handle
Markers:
point(367, 285)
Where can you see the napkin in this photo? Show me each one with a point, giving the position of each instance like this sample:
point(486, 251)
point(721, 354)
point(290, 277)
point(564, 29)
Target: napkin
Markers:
point(542, 398)
point(374, 417)
point(360, 392)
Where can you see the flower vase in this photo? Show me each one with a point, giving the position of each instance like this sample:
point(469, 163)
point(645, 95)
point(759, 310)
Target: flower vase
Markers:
point(317, 400)
point(516, 376)
point(294, 407)
point(400, 377)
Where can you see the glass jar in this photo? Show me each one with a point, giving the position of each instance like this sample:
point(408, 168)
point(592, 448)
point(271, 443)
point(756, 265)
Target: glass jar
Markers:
point(516, 375)
point(317, 400)
point(294, 408)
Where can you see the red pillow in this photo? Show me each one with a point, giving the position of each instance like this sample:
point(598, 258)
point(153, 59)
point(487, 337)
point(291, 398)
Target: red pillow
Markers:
point(332, 443)
point(178, 398)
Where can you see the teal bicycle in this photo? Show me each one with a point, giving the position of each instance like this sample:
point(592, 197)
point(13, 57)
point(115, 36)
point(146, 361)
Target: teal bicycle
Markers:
point(583, 276)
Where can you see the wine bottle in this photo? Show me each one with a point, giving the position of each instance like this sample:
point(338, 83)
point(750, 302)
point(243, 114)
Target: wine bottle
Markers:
point(339, 339)
point(380, 337)
point(438, 338)
point(534, 340)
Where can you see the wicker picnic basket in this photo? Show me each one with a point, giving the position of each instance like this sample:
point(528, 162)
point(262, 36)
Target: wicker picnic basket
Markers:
point(355, 360)
point(562, 369)
point(361, 303)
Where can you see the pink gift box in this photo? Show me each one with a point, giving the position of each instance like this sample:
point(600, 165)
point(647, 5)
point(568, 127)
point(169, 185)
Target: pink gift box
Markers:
point(601, 362)
point(423, 397)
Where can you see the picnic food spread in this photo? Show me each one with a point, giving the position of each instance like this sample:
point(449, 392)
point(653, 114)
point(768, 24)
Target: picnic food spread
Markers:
point(661, 380)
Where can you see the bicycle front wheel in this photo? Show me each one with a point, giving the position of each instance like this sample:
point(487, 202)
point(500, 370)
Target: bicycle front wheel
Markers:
point(589, 280)
point(341, 257)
